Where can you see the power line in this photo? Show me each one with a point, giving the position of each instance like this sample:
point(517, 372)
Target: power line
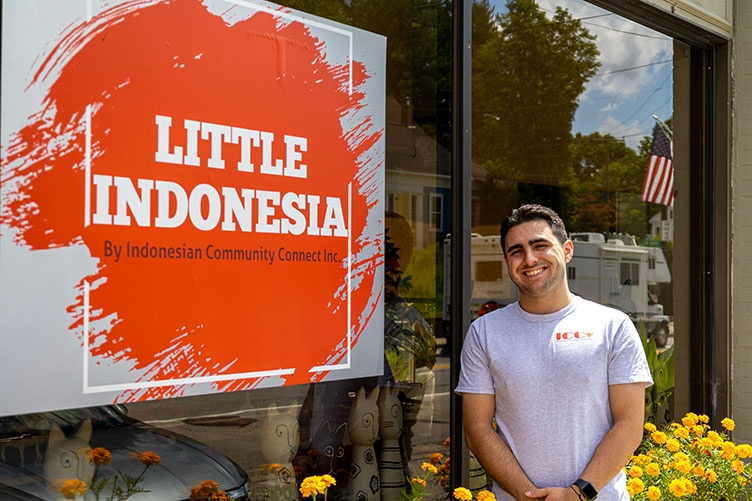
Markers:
point(632, 68)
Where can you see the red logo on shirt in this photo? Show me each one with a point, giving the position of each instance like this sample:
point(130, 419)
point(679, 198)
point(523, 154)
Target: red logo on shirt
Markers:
point(573, 336)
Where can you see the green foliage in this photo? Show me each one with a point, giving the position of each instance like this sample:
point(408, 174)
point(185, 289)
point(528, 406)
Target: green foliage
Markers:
point(660, 395)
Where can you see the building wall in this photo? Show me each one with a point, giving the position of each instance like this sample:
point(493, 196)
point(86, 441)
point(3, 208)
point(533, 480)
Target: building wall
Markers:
point(741, 221)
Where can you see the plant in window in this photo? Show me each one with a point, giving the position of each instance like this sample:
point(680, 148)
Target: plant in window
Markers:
point(121, 485)
point(691, 460)
point(208, 491)
point(314, 485)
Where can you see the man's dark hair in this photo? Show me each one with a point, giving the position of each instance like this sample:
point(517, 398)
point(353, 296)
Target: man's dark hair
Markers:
point(533, 212)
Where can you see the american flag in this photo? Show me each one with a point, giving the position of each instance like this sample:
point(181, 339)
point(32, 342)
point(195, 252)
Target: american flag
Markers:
point(658, 186)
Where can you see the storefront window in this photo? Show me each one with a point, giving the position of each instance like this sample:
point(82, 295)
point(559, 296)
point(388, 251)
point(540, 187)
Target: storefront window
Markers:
point(370, 434)
point(572, 109)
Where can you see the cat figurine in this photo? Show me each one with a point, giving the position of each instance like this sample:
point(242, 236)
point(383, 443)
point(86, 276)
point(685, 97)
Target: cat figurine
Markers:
point(280, 439)
point(67, 458)
point(391, 473)
point(363, 429)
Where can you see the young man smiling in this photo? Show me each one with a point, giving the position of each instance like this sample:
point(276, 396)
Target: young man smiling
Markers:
point(553, 385)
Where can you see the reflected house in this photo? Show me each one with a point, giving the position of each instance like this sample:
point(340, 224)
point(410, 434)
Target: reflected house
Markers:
point(418, 176)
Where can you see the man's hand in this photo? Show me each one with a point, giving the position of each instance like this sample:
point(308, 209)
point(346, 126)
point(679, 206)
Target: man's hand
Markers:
point(554, 494)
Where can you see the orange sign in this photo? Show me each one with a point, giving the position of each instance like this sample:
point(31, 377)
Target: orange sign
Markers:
point(218, 177)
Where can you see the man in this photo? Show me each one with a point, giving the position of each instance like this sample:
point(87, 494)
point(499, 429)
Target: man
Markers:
point(553, 385)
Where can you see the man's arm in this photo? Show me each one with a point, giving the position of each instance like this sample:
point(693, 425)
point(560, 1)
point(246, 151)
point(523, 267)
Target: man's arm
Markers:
point(492, 452)
point(628, 411)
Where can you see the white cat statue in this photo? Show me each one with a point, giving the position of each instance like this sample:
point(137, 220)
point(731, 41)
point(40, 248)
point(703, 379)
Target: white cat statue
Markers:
point(363, 429)
point(280, 439)
point(390, 458)
point(67, 458)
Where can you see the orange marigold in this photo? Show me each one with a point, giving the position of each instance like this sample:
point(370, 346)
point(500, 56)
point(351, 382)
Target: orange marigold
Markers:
point(73, 487)
point(150, 458)
point(99, 456)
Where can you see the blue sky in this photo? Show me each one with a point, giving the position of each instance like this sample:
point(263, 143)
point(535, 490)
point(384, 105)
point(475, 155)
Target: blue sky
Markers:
point(635, 80)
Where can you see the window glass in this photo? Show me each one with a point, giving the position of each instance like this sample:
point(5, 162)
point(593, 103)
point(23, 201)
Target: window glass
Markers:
point(261, 444)
point(572, 109)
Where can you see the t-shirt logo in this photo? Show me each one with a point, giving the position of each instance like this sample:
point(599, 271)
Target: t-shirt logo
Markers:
point(573, 336)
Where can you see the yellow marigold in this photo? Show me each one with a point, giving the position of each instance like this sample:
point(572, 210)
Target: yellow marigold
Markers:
point(635, 485)
point(728, 423)
point(711, 476)
point(150, 458)
point(703, 418)
point(744, 450)
point(698, 430)
point(681, 432)
point(418, 481)
point(309, 487)
point(699, 470)
point(673, 445)
point(654, 493)
point(742, 481)
point(737, 466)
point(681, 456)
point(684, 466)
point(328, 481)
point(99, 456)
point(435, 458)
point(485, 495)
point(681, 487)
point(73, 487)
point(635, 472)
point(643, 459)
point(430, 467)
point(659, 437)
point(463, 494)
point(729, 450)
point(690, 419)
point(653, 469)
point(650, 427)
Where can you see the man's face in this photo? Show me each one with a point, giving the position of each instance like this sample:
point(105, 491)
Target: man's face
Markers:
point(536, 259)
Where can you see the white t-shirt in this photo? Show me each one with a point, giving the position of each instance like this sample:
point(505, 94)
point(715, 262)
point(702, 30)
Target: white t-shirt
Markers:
point(550, 375)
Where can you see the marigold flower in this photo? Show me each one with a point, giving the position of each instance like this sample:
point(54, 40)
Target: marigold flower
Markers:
point(654, 493)
point(737, 466)
point(690, 419)
point(681, 432)
point(447, 442)
point(703, 418)
point(684, 466)
point(653, 469)
point(744, 450)
point(208, 491)
point(659, 437)
point(418, 481)
point(328, 481)
point(742, 481)
point(728, 423)
point(485, 495)
point(650, 427)
point(309, 487)
point(72, 488)
point(635, 485)
point(430, 468)
point(435, 458)
point(673, 445)
point(729, 450)
point(698, 430)
point(635, 472)
point(150, 458)
point(680, 487)
point(463, 494)
point(711, 476)
point(99, 456)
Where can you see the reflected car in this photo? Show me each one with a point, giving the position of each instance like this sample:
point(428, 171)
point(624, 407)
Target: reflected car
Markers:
point(40, 452)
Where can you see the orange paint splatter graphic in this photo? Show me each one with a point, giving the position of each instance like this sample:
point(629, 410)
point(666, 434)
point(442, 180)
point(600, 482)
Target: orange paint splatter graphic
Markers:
point(221, 174)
